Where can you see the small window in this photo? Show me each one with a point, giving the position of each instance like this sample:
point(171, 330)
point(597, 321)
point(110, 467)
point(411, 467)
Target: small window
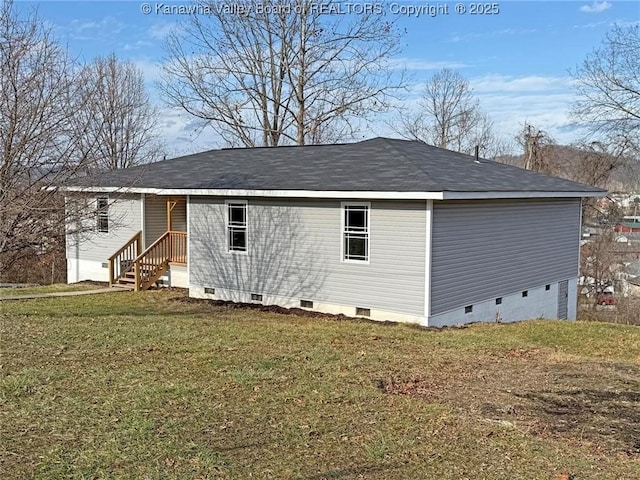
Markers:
point(468, 309)
point(102, 214)
point(256, 297)
point(547, 287)
point(525, 293)
point(363, 312)
point(210, 290)
point(237, 226)
point(499, 301)
point(355, 232)
point(306, 303)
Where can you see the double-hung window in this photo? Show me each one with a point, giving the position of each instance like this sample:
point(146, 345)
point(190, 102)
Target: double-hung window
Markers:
point(102, 214)
point(237, 226)
point(355, 232)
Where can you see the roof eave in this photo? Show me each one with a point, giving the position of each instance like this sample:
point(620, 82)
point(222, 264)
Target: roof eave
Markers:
point(262, 193)
point(390, 195)
point(520, 194)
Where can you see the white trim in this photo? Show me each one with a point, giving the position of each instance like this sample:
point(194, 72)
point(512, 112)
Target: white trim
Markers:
point(188, 219)
point(579, 239)
point(226, 226)
point(332, 193)
point(100, 215)
point(143, 220)
point(427, 260)
point(517, 194)
point(342, 232)
point(262, 193)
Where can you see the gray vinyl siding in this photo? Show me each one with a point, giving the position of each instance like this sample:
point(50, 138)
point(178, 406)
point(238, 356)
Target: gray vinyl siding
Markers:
point(125, 220)
point(155, 217)
point(179, 215)
point(295, 252)
point(486, 249)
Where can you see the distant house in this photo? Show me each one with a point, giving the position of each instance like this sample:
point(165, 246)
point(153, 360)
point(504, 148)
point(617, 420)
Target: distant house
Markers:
point(629, 224)
point(385, 229)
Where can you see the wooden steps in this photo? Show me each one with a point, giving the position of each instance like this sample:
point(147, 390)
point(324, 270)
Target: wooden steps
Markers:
point(139, 271)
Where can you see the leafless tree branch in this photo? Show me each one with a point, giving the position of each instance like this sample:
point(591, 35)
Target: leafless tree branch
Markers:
point(289, 73)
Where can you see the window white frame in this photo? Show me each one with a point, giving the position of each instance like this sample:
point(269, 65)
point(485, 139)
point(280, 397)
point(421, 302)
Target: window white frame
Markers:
point(102, 214)
point(347, 231)
point(234, 226)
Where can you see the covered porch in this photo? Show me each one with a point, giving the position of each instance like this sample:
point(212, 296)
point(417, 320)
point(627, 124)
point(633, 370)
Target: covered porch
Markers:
point(158, 253)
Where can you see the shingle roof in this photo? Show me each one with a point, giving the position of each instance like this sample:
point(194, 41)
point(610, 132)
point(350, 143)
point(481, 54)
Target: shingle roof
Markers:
point(379, 164)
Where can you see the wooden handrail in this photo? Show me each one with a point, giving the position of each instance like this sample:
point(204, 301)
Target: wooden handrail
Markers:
point(119, 262)
point(136, 238)
point(178, 248)
point(150, 264)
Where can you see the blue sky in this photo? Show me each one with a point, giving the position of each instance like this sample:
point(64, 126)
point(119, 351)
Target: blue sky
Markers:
point(517, 60)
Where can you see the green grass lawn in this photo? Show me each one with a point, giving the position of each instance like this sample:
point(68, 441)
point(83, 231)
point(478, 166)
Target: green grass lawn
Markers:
point(150, 386)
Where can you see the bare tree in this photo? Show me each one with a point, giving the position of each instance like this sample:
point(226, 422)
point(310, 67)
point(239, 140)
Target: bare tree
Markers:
point(38, 91)
point(274, 72)
point(536, 144)
point(449, 116)
point(116, 125)
point(591, 163)
point(600, 264)
point(608, 88)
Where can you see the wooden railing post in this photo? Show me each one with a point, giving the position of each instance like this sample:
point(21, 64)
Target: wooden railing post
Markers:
point(147, 265)
point(136, 272)
point(138, 244)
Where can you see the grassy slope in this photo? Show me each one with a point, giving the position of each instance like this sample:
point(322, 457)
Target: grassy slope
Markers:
point(147, 386)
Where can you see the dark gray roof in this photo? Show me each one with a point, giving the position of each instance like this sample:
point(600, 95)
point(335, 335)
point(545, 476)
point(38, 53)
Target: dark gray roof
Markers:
point(379, 164)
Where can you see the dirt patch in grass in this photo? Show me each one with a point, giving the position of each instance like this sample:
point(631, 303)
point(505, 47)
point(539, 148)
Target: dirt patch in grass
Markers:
point(301, 312)
point(257, 307)
point(583, 402)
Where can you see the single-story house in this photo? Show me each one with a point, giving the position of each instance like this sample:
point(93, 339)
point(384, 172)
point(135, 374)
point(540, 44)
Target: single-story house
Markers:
point(384, 228)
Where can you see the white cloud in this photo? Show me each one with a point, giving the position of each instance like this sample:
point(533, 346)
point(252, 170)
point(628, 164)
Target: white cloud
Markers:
point(596, 7)
point(137, 45)
point(474, 36)
point(510, 101)
point(184, 134)
point(543, 101)
point(594, 24)
point(150, 69)
point(417, 64)
point(83, 30)
point(159, 31)
point(511, 84)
